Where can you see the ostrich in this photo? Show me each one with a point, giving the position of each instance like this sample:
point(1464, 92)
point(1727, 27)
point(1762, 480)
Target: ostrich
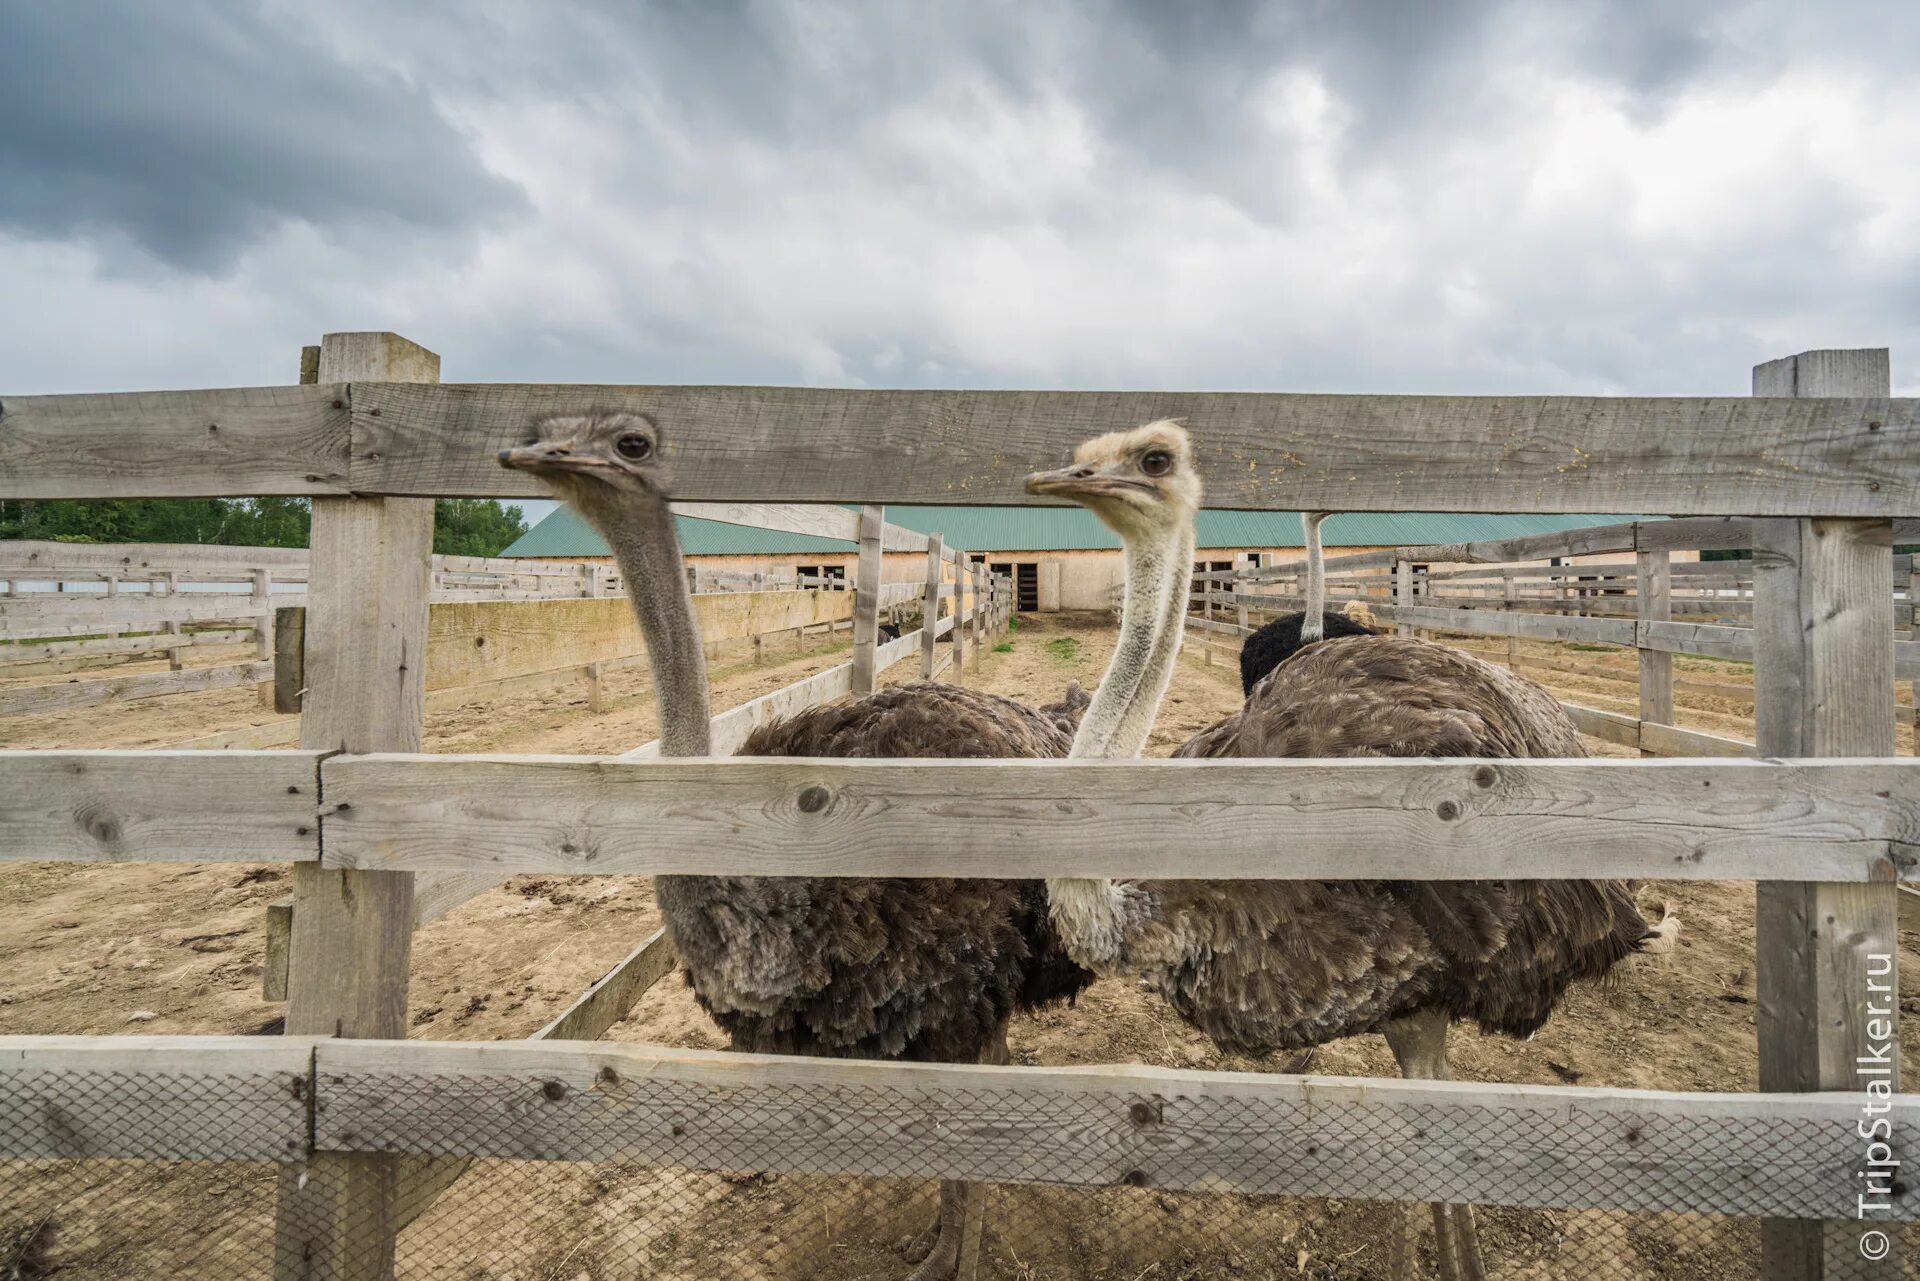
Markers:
point(1266, 965)
point(1281, 639)
point(926, 970)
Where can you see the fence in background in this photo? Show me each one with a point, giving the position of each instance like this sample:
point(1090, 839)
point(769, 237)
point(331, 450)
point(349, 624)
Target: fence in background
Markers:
point(1630, 605)
point(361, 1126)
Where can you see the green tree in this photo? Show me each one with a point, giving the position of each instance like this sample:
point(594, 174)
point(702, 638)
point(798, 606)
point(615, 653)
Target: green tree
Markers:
point(462, 526)
point(475, 526)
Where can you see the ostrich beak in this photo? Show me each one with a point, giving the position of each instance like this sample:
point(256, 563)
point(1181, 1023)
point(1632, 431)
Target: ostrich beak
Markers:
point(547, 456)
point(1080, 481)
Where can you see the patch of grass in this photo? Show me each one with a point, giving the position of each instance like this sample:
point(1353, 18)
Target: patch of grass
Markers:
point(1064, 648)
point(1013, 623)
point(1004, 647)
point(1593, 649)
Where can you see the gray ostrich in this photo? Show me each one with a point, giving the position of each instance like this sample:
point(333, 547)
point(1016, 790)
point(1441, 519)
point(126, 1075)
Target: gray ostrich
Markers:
point(1261, 966)
point(838, 967)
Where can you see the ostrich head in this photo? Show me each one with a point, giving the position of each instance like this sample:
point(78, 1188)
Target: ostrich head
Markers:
point(606, 465)
point(1140, 483)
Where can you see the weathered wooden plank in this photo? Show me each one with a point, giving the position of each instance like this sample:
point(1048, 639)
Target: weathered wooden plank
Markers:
point(29, 555)
point(175, 444)
point(278, 940)
point(1496, 551)
point(819, 521)
point(866, 599)
point(106, 806)
point(1343, 819)
point(19, 615)
point(365, 642)
point(1828, 968)
point(1672, 740)
point(1261, 451)
point(607, 1001)
point(930, 609)
point(1611, 726)
point(1654, 604)
point(731, 728)
point(26, 660)
point(1706, 639)
point(157, 1098)
point(1103, 1126)
point(35, 699)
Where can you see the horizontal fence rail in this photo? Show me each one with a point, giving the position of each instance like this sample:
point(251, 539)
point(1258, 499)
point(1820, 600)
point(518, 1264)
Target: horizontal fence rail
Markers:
point(1852, 820)
point(292, 1099)
point(1272, 451)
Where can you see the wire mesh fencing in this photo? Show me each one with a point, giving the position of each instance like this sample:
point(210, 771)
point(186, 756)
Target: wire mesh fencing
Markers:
point(598, 1221)
point(525, 1175)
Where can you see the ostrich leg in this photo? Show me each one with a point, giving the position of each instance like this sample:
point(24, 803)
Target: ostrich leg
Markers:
point(950, 1250)
point(1419, 1045)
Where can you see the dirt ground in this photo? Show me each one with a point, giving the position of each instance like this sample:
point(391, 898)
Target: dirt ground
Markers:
point(158, 948)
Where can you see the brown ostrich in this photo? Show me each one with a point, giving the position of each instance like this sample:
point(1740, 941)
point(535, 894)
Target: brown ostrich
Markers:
point(837, 967)
point(1261, 966)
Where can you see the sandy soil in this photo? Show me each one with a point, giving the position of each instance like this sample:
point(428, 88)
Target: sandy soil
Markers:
point(160, 948)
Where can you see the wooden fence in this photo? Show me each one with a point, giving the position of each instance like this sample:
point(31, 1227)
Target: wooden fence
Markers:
point(126, 604)
point(377, 436)
point(1628, 604)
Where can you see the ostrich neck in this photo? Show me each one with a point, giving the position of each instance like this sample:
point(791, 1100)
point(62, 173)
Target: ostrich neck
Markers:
point(1159, 574)
point(1090, 912)
point(648, 552)
point(1313, 623)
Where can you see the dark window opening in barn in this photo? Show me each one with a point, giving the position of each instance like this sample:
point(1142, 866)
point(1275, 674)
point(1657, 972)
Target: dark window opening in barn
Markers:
point(1420, 573)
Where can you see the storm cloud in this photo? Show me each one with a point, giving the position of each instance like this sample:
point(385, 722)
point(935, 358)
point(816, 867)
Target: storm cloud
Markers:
point(1503, 197)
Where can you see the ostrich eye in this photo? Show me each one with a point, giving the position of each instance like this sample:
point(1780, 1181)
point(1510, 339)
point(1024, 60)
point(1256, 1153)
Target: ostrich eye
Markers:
point(633, 447)
point(1156, 462)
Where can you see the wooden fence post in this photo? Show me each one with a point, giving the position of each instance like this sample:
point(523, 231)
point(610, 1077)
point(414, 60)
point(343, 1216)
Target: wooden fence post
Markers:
point(593, 585)
point(172, 626)
point(1403, 592)
point(365, 676)
point(1510, 606)
point(1241, 565)
point(980, 607)
point(263, 626)
point(1653, 603)
point(930, 611)
point(959, 633)
point(1827, 966)
point(866, 598)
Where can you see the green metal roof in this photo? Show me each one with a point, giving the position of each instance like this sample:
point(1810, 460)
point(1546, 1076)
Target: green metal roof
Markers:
point(1035, 529)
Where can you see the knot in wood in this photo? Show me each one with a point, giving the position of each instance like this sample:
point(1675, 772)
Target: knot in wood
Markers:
point(607, 1077)
point(554, 1091)
point(1141, 1113)
point(814, 799)
point(1447, 810)
point(1135, 1178)
point(1484, 776)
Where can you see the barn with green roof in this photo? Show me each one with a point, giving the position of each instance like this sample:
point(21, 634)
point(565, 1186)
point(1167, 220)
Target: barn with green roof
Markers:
point(1058, 557)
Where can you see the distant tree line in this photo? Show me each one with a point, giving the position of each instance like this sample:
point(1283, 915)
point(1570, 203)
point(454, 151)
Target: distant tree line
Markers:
point(461, 526)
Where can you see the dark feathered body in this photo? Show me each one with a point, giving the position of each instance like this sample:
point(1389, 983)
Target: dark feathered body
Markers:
point(1264, 965)
point(879, 968)
point(1279, 640)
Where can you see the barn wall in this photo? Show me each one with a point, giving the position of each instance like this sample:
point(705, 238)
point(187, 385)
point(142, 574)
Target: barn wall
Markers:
point(471, 642)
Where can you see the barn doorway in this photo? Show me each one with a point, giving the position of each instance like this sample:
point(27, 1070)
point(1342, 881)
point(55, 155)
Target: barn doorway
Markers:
point(1026, 583)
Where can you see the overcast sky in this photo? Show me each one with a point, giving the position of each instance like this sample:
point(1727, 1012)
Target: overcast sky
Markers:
point(1635, 196)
